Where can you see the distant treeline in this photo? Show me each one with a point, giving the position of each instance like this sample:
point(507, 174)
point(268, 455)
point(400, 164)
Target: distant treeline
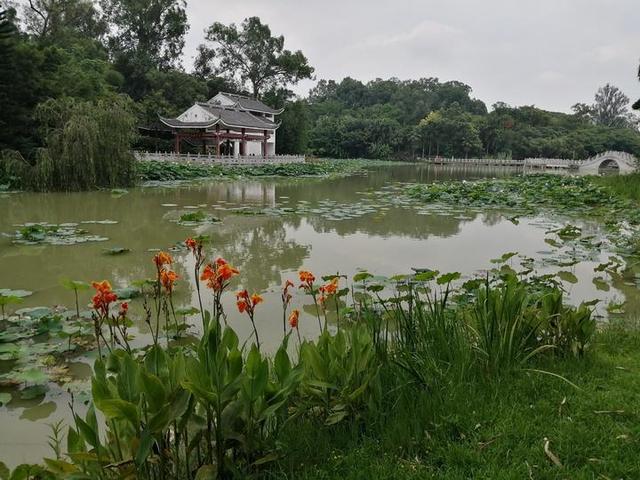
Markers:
point(405, 118)
point(63, 64)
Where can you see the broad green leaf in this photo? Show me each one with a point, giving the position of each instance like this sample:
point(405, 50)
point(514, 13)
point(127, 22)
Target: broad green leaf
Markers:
point(446, 278)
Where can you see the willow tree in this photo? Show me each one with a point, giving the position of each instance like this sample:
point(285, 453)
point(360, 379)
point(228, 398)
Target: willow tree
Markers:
point(88, 145)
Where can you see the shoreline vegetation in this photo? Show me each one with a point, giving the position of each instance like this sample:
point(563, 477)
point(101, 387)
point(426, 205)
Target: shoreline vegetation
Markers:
point(158, 171)
point(167, 171)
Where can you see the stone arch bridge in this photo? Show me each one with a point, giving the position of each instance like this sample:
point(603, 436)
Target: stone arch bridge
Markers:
point(623, 161)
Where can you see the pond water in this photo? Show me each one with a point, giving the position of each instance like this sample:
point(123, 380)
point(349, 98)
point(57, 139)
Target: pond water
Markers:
point(269, 229)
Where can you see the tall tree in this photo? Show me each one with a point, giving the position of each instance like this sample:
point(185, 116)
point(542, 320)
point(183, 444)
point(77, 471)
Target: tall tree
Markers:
point(145, 35)
point(250, 53)
point(59, 21)
point(8, 38)
point(610, 108)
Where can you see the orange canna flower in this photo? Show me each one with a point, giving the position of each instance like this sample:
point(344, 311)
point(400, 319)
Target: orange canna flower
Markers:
point(221, 261)
point(161, 259)
point(307, 278)
point(103, 286)
point(242, 306)
point(191, 244)
point(247, 303)
point(256, 299)
point(226, 272)
point(218, 274)
point(208, 273)
point(332, 287)
point(124, 308)
point(103, 298)
point(293, 318)
point(168, 278)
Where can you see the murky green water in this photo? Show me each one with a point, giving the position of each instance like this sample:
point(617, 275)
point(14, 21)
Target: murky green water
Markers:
point(344, 226)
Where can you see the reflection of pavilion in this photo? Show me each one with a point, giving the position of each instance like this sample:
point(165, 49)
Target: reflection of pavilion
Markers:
point(245, 192)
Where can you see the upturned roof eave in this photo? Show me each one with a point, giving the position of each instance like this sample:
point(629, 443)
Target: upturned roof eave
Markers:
point(181, 124)
point(268, 127)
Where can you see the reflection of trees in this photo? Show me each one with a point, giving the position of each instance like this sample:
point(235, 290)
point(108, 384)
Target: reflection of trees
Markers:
point(492, 217)
point(259, 248)
point(398, 221)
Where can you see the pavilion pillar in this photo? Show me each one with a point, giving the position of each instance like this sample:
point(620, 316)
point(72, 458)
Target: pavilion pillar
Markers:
point(236, 146)
point(264, 144)
point(217, 139)
point(243, 143)
point(177, 147)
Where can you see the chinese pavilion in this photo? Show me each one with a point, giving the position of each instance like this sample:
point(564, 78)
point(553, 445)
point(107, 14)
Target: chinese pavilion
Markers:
point(227, 124)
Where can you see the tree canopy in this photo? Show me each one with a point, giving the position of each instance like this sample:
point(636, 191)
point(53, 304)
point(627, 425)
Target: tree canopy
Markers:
point(145, 35)
point(610, 108)
point(252, 55)
point(408, 118)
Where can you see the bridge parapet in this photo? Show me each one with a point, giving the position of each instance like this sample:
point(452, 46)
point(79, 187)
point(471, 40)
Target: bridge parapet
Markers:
point(625, 162)
point(213, 159)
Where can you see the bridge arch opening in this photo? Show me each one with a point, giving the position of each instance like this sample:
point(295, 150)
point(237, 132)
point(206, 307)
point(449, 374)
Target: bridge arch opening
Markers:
point(609, 166)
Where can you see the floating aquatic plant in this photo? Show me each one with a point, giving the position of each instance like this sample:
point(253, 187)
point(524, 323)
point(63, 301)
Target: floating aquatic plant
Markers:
point(54, 234)
point(196, 218)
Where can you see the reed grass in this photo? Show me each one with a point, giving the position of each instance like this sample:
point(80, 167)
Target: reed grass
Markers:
point(627, 186)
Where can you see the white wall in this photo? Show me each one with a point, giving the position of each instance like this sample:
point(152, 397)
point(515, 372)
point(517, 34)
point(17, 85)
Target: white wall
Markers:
point(222, 100)
point(195, 114)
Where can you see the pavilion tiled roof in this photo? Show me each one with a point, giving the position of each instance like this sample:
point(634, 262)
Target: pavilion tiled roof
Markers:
point(249, 103)
point(226, 117)
point(238, 118)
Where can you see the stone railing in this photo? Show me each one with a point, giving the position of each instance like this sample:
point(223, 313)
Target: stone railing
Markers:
point(551, 163)
point(220, 159)
point(493, 162)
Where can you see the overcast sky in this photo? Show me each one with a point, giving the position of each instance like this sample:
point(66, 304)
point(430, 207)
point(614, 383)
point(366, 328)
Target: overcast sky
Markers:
point(549, 53)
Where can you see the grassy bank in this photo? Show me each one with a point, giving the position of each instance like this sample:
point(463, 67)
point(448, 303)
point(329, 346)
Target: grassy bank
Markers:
point(497, 429)
point(165, 171)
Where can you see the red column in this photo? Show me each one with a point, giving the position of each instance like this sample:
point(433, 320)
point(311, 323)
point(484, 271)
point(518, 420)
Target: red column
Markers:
point(217, 139)
point(177, 143)
point(243, 144)
point(264, 144)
